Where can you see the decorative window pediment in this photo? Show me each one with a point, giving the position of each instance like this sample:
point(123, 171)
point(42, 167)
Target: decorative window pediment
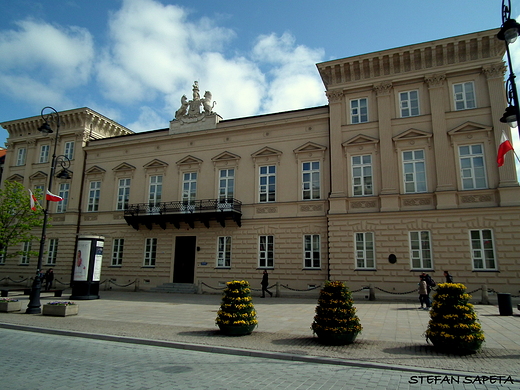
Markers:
point(310, 149)
point(16, 177)
point(155, 163)
point(226, 158)
point(124, 170)
point(411, 134)
point(471, 130)
point(361, 142)
point(39, 175)
point(189, 163)
point(267, 154)
point(95, 170)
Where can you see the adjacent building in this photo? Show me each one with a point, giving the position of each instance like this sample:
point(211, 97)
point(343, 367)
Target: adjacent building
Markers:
point(396, 176)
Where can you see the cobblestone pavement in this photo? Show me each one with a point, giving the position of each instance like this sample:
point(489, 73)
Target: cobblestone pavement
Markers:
point(62, 363)
point(392, 336)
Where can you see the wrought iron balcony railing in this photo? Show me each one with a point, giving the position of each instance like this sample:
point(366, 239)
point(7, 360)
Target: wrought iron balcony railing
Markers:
point(188, 212)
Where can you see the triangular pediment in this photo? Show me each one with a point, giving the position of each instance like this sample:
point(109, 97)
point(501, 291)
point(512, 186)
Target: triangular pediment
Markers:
point(470, 127)
point(225, 156)
point(360, 139)
point(412, 134)
point(124, 167)
point(266, 152)
point(94, 170)
point(39, 175)
point(310, 147)
point(155, 163)
point(188, 160)
point(15, 177)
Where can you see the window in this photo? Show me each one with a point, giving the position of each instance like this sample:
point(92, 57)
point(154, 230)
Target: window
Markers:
point(365, 250)
point(362, 175)
point(226, 185)
point(266, 252)
point(52, 253)
point(358, 111)
point(44, 154)
point(93, 195)
point(312, 258)
point(267, 183)
point(464, 96)
point(61, 207)
point(155, 190)
point(482, 250)
point(26, 248)
point(123, 194)
point(420, 250)
point(150, 252)
point(311, 180)
point(20, 158)
point(472, 171)
point(409, 103)
point(68, 151)
point(414, 172)
point(189, 191)
point(224, 252)
point(117, 252)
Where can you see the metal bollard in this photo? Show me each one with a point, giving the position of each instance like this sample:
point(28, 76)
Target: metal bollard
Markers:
point(277, 290)
point(485, 295)
point(371, 293)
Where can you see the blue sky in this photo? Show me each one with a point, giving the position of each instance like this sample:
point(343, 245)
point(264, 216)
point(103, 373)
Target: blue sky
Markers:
point(132, 60)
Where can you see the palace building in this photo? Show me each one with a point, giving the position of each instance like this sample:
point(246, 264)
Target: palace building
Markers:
point(396, 176)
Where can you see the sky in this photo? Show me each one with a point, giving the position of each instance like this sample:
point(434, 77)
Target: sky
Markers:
point(132, 60)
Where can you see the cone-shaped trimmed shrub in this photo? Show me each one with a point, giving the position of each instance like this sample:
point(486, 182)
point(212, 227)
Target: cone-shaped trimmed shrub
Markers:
point(237, 315)
point(336, 321)
point(454, 326)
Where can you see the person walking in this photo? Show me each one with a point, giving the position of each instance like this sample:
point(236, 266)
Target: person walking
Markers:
point(265, 283)
point(424, 298)
point(449, 278)
point(49, 278)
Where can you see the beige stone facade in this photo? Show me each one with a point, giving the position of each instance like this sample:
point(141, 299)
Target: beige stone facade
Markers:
point(396, 176)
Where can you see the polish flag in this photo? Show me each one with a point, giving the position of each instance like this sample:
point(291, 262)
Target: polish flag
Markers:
point(505, 146)
point(53, 198)
point(34, 201)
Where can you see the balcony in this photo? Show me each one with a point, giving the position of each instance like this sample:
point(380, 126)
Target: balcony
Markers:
point(220, 210)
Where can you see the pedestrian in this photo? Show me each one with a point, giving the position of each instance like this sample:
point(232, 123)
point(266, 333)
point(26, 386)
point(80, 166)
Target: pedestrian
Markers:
point(265, 283)
point(424, 297)
point(449, 278)
point(49, 278)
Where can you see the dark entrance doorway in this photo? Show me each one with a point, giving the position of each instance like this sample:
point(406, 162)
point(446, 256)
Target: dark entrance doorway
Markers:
point(184, 261)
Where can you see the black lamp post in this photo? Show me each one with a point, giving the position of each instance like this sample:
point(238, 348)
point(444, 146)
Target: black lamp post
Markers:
point(509, 33)
point(34, 306)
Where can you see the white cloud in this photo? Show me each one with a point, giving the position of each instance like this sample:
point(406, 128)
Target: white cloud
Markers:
point(148, 119)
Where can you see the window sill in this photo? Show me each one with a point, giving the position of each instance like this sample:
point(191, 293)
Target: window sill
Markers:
point(116, 266)
point(223, 267)
point(148, 266)
point(365, 269)
point(485, 270)
point(311, 269)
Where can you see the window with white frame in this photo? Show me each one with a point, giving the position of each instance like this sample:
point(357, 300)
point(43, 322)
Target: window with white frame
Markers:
point(64, 190)
point(464, 96)
point(189, 190)
point(44, 154)
point(123, 194)
point(414, 171)
point(365, 256)
point(26, 248)
point(312, 251)
point(311, 180)
point(155, 190)
point(420, 250)
point(117, 252)
point(93, 195)
point(358, 111)
point(226, 185)
point(267, 184)
point(68, 150)
point(472, 169)
point(483, 250)
point(224, 252)
point(266, 252)
point(362, 180)
point(20, 157)
point(150, 252)
point(52, 253)
point(409, 103)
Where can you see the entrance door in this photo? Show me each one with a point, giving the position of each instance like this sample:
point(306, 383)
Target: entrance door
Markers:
point(184, 261)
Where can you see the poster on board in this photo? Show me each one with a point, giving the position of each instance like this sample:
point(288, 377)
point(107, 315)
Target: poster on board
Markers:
point(82, 261)
point(98, 260)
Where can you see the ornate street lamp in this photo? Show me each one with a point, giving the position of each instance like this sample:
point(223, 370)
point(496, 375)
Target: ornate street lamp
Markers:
point(509, 33)
point(34, 306)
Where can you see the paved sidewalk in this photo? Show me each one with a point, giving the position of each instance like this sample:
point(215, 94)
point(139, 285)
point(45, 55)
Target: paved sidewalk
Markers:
point(392, 336)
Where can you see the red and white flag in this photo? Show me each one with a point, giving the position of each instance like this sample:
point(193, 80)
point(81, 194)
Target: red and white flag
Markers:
point(53, 198)
point(505, 146)
point(34, 201)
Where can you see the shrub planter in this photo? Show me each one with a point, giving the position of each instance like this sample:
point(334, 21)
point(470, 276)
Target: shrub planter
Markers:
point(10, 305)
point(236, 330)
point(60, 309)
point(237, 315)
